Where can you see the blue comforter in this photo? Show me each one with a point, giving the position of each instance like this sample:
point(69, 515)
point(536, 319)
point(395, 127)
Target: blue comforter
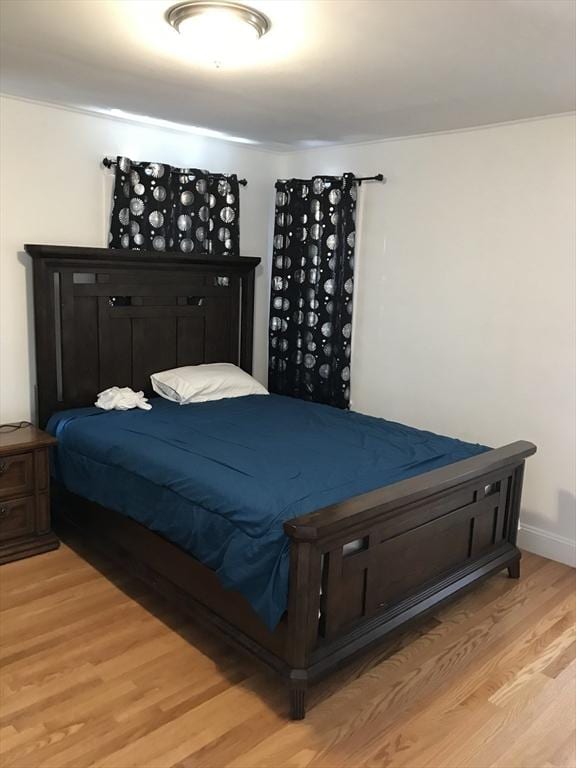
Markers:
point(220, 478)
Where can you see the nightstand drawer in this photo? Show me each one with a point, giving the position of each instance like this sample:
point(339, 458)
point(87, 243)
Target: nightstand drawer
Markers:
point(17, 518)
point(16, 475)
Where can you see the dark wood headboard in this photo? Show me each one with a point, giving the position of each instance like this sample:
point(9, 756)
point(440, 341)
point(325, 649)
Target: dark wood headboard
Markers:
point(108, 317)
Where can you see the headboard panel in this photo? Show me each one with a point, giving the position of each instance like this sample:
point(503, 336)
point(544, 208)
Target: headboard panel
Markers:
point(112, 317)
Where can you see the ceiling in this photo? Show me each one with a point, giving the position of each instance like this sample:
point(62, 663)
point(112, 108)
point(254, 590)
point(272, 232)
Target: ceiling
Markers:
point(329, 71)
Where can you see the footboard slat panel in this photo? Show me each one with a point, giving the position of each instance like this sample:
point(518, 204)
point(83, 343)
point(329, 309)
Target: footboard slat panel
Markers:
point(390, 556)
point(330, 653)
point(412, 549)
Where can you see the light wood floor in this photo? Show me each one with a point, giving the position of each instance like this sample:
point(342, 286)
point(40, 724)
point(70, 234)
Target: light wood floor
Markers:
point(96, 672)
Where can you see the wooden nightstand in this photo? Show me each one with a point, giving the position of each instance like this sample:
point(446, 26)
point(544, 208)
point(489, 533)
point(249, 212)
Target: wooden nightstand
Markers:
point(25, 494)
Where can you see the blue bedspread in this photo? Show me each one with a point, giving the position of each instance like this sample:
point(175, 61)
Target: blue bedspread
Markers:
point(220, 478)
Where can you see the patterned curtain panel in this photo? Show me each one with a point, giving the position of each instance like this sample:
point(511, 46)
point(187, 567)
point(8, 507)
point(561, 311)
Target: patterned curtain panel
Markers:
point(312, 285)
point(157, 207)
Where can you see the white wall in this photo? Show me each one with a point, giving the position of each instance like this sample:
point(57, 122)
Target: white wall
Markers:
point(465, 298)
point(54, 190)
point(465, 309)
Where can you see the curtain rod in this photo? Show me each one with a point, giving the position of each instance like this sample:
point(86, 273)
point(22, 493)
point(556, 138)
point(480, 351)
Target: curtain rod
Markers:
point(359, 179)
point(109, 162)
point(378, 177)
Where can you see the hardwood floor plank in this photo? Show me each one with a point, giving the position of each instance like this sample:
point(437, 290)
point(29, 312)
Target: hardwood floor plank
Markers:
point(532, 747)
point(236, 740)
point(98, 672)
point(484, 745)
point(565, 755)
point(360, 709)
point(410, 739)
point(563, 660)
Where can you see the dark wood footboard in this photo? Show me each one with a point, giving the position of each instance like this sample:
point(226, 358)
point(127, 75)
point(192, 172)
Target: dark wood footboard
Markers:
point(367, 566)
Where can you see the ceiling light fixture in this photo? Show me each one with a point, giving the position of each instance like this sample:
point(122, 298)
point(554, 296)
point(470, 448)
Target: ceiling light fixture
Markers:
point(218, 27)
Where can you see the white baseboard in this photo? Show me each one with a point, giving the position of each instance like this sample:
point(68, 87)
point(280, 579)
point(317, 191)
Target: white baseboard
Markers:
point(547, 544)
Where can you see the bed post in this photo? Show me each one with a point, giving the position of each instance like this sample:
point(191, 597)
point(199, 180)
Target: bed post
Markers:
point(516, 492)
point(298, 689)
point(303, 608)
point(514, 570)
point(247, 321)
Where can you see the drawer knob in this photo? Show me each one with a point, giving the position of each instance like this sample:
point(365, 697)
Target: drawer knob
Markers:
point(4, 512)
point(3, 467)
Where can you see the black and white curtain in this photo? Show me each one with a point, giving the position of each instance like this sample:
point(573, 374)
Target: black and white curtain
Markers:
point(312, 286)
point(161, 208)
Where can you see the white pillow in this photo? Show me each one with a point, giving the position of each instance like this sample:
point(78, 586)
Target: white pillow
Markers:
point(200, 383)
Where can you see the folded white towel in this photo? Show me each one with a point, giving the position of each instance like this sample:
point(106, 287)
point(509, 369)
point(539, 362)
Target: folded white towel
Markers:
point(122, 399)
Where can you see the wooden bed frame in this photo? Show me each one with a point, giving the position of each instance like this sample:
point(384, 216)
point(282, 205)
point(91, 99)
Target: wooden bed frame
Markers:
point(112, 317)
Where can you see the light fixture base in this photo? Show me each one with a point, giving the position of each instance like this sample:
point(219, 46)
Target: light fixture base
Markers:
point(187, 10)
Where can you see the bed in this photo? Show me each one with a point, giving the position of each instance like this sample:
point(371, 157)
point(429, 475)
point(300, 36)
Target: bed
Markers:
point(360, 525)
